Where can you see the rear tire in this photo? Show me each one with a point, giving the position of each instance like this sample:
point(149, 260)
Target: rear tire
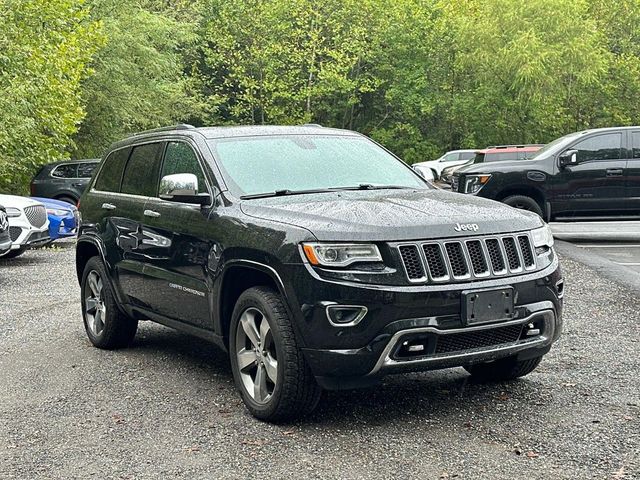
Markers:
point(523, 203)
point(106, 326)
point(502, 370)
point(14, 253)
point(269, 370)
point(68, 200)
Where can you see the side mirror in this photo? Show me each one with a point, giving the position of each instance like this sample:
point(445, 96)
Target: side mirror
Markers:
point(570, 157)
point(425, 173)
point(183, 188)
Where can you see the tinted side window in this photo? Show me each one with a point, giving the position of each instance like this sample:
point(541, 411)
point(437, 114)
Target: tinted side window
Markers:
point(111, 173)
point(141, 174)
point(450, 157)
point(180, 158)
point(467, 155)
point(635, 141)
point(67, 170)
point(600, 147)
point(85, 170)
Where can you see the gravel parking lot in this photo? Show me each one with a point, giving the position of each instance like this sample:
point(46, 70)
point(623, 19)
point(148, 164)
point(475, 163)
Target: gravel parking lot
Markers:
point(166, 407)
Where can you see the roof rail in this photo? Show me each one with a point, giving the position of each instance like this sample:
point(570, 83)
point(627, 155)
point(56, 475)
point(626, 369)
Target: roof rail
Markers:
point(311, 125)
point(521, 145)
point(180, 126)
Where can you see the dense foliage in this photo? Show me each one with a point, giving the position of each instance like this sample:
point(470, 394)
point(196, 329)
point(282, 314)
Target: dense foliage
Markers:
point(421, 76)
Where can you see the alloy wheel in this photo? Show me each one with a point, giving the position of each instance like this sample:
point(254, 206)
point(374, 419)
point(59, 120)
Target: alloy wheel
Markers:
point(256, 355)
point(95, 309)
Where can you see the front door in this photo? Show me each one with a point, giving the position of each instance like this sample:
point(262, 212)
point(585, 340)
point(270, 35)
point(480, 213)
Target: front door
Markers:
point(177, 244)
point(595, 185)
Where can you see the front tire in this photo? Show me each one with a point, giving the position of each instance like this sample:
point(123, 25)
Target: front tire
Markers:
point(106, 326)
point(503, 370)
point(269, 370)
point(523, 203)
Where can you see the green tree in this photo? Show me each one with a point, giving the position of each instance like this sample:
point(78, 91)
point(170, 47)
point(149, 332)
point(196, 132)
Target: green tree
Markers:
point(139, 80)
point(45, 48)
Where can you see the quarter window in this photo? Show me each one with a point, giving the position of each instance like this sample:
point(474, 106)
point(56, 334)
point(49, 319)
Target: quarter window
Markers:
point(600, 147)
point(180, 158)
point(141, 174)
point(111, 173)
point(66, 170)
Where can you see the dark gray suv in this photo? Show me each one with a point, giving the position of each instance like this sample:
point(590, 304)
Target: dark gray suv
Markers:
point(63, 180)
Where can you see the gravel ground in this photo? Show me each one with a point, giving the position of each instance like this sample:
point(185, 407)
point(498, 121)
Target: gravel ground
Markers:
point(166, 407)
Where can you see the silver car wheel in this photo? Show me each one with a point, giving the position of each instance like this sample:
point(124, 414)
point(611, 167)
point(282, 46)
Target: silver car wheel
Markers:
point(256, 355)
point(95, 309)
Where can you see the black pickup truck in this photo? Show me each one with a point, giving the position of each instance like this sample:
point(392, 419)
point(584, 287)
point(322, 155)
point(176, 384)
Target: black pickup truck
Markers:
point(591, 174)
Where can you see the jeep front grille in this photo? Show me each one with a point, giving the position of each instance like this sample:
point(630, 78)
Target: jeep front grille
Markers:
point(37, 215)
point(467, 259)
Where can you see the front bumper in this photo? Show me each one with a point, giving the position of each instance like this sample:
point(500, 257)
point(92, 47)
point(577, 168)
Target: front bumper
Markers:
point(344, 357)
point(62, 227)
point(23, 234)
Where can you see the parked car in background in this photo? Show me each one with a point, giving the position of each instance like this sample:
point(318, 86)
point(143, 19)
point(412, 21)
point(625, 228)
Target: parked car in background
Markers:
point(28, 224)
point(5, 238)
point(493, 154)
point(63, 217)
point(454, 157)
point(63, 181)
point(585, 175)
point(315, 258)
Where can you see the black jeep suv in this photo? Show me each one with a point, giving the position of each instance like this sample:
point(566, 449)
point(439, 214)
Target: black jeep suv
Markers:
point(584, 175)
point(315, 257)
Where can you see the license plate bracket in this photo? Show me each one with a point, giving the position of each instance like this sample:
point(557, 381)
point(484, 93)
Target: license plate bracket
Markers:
point(487, 306)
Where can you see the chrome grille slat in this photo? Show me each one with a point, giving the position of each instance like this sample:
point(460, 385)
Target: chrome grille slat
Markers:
point(37, 215)
point(475, 258)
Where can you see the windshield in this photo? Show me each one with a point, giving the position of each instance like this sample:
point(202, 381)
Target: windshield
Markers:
point(290, 163)
point(556, 145)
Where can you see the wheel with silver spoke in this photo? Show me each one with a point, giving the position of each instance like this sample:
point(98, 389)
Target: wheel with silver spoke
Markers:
point(268, 367)
point(256, 355)
point(106, 326)
point(95, 310)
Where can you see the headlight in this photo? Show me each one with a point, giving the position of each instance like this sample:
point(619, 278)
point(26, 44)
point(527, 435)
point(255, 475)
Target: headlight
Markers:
point(340, 254)
point(57, 212)
point(13, 212)
point(542, 237)
point(474, 183)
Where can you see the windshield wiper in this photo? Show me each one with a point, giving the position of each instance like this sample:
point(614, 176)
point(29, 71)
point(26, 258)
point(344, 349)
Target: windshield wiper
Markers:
point(283, 192)
point(369, 186)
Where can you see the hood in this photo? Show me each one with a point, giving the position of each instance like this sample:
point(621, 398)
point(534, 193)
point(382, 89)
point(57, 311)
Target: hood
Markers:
point(17, 202)
point(59, 204)
point(391, 215)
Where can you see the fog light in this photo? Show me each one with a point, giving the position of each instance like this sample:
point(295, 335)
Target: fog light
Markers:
point(345, 315)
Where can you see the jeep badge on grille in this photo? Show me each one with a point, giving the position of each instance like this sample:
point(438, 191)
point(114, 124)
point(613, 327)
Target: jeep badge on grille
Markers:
point(466, 227)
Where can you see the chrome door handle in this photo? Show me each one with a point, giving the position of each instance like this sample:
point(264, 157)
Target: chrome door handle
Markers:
point(151, 213)
point(614, 172)
point(108, 206)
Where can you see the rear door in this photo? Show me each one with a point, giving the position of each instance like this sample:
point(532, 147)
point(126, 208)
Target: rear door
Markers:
point(83, 176)
point(125, 181)
point(633, 173)
point(596, 184)
point(176, 244)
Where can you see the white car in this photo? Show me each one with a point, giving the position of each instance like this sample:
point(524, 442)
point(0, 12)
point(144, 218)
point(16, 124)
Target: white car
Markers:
point(454, 157)
point(28, 224)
